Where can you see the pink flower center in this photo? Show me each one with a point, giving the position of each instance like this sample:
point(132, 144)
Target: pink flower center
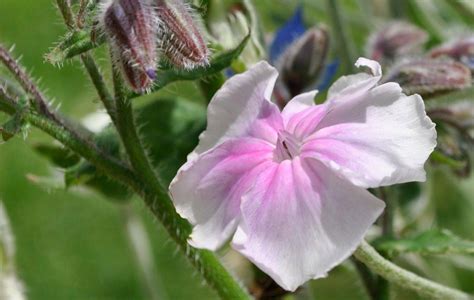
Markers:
point(287, 146)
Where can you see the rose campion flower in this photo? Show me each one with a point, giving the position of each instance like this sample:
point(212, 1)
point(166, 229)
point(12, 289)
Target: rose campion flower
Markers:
point(289, 186)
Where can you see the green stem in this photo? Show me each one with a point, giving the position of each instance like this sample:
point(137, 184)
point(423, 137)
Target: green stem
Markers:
point(99, 84)
point(160, 204)
point(463, 9)
point(387, 217)
point(86, 149)
point(342, 42)
point(65, 9)
point(39, 100)
point(403, 278)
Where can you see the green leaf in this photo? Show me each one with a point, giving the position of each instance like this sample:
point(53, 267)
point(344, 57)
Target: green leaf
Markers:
point(86, 174)
point(13, 126)
point(170, 129)
point(81, 172)
point(434, 241)
point(58, 155)
point(217, 64)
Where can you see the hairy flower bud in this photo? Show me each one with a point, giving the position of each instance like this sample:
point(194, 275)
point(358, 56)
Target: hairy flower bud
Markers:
point(430, 76)
point(301, 63)
point(394, 40)
point(461, 50)
point(131, 27)
point(181, 40)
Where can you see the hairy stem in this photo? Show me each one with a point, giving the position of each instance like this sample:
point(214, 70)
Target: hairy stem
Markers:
point(160, 204)
point(65, 9)
point(99, 84)
point(41, 104)
point(403, 278)
point(86, 149)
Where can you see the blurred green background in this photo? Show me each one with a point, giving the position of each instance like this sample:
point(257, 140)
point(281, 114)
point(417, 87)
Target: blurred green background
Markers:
point(72, 245)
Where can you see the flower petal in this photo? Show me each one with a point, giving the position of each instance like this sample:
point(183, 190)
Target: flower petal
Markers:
point(236, 106)
point(353, 86)
point(298, 104)
point(208, 191)
point(382, 139)
point(300, 220)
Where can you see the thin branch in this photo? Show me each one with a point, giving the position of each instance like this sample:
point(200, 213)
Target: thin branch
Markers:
point(80, 19)
point(99, 84)
point(27, 84)
point(65, 9)
point(403, 278)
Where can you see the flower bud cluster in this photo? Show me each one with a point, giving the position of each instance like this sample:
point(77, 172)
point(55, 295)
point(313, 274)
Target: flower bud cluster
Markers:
point(140, 30)
point(461, 50)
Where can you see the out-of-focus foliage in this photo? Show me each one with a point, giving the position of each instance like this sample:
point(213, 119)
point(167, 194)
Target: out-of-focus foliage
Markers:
point(429, 242)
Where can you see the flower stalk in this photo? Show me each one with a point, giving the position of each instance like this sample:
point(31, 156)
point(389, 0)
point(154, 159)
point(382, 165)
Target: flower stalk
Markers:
point(408, 280)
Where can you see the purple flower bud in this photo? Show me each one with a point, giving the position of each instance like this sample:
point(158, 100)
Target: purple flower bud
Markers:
point(394, 40)
point(301, 63)
point(131, 27)
point(461, 50)
point(430, 76)
point(181, 40)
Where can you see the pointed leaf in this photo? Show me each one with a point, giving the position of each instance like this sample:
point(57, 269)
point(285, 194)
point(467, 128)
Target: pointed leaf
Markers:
point(12, 126)
point(58, 155)
point(217, 64)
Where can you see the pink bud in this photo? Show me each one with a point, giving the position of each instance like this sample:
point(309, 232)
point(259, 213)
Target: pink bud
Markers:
point(181, 40)
point(461, 50)
point(131, 27)
point(396, 39)
point(430, 76)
